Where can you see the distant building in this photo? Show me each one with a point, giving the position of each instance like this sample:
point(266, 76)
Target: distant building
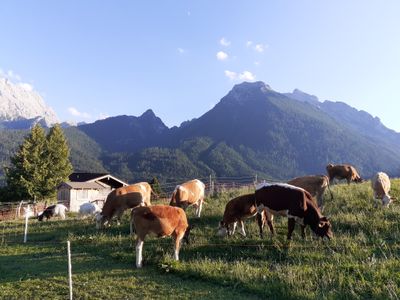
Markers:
point(87, 187)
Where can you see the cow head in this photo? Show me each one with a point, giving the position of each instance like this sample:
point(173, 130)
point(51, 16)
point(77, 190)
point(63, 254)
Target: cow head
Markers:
point(386, 200)
point(187, 233)
point(40, 216)
point(223, 229)
point(324, 228)
point(101, 221)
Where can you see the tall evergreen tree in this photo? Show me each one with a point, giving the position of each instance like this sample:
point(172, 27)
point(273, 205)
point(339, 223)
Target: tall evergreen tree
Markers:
point(57, 159)
point(40, 164)
point(27, 172)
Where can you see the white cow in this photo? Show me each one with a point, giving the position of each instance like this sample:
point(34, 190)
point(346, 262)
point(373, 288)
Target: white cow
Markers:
point(89, 209)
point(381, 186)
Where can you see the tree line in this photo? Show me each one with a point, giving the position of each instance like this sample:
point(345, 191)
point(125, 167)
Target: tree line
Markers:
point(39, 165)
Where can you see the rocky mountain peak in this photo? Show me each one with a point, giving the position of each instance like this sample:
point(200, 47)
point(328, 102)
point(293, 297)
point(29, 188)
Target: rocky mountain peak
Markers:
point(19, 101)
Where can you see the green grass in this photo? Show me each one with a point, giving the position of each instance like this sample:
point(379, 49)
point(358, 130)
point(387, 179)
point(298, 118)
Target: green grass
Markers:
point(361, 262)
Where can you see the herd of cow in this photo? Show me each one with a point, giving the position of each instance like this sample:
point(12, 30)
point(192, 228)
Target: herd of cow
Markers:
point(294, 199)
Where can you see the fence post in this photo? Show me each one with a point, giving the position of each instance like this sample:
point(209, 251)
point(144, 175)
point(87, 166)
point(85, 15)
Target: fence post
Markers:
point(69, 269)
point(26, 226)
point(211, 187)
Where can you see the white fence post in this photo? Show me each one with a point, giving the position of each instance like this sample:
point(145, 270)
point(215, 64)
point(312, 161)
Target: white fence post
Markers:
point(26, 226)
point(69, 269)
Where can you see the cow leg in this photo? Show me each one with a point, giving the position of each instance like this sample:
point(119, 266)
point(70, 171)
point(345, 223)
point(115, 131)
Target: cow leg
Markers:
point(291, 224)
point(270, 220)
point(139, 249)
point(178, 243)
point(200, 206)
point(303, 233)
point(243, 232)
point(234, 228)
point(119, 214)
point(261, 223)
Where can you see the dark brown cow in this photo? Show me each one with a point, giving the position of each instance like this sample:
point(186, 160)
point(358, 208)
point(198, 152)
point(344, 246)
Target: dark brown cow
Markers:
point(295, 203)
point(161, 220)
point(347, 172)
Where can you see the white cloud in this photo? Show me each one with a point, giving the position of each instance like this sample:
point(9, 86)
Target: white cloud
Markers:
point(26, 86)
point(224, 42)
point(189, 13)
point(221, 55)
point(231, 75)
point(76, 113)
point(260, 48)
point(103, 116)
point(247, 76)
point(244, 76)
point(181, 50)
point(249, 43)
point(257, 63)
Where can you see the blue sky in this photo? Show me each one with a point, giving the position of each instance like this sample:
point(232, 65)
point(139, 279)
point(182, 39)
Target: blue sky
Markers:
point(91, 59)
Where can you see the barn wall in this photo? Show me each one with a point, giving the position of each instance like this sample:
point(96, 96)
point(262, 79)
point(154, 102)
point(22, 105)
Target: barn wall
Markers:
point(79, 196)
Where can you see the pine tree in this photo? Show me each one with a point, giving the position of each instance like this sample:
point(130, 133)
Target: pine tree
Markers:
point(57, 159)
point(27, 172)
point(41, 163)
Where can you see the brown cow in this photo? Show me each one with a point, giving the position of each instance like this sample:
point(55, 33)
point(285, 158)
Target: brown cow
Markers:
point(189, 193)
point(161, 220)
point(122, 198)
point(347, 172)
point(237, 210)
point(295, 203)
point(381, 187)
point(314, 184)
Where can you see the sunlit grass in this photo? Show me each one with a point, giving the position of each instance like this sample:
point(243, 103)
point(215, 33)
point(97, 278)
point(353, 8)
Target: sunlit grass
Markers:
point(361, 262)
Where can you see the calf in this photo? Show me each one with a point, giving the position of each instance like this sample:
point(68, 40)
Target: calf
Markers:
point(295, 203)
point(381, 187)
point(52, 211)
point(314, 184)
point(236, 210)
point(121, 199)
point(347, 172)
point(161, 220)
point(189, 193)
point(89, 209)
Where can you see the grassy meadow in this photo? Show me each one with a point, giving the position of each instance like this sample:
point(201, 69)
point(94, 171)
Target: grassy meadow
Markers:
point(361, 262)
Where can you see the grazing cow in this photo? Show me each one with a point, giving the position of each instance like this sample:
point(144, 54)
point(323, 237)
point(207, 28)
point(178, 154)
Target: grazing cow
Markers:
point(161, 220)
point(122, 198)
point(295, 203)
point(237, 210)
point(189, 193)
point(347, 172)
point(381, 186)
point(52, 211)
point(89, 209)
point(314, 184)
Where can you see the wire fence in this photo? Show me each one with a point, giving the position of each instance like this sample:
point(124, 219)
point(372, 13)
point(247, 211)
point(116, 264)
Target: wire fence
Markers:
point(214, 186)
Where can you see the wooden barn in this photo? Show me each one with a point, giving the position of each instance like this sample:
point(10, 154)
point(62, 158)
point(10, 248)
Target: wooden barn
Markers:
point(87, 187)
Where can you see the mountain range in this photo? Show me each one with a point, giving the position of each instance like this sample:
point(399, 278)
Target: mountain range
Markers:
point(252, 130)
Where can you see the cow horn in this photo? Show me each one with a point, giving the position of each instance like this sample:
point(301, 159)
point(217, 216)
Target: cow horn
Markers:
point(321, 224)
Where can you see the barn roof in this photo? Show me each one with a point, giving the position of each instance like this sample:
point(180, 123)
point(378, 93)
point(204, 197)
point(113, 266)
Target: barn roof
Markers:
point(83, 185)
point(104, 178)
point(82, 177)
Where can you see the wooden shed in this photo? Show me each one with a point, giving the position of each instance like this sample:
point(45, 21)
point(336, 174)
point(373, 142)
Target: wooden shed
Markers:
point(87, 187)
